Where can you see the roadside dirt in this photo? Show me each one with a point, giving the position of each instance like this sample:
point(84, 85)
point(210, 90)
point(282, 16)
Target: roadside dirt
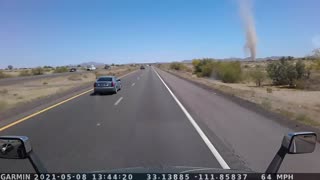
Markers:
point(299, 105)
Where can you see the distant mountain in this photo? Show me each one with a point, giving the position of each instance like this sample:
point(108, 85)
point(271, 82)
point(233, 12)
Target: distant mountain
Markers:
point(186, 61)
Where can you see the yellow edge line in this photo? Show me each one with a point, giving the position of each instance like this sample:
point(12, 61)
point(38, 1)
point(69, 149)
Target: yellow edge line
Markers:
point(50, 107)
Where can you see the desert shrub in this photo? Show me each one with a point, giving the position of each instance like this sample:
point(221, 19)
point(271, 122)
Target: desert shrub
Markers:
point(37, 71)
point(286, 73)
point(229, 72)
point(196, 65)
point(177, 66)
point(301, 69)
point(258, 76)
point(45, 83)
point(316, 65)
point(61, 69)
point(25, 73)
point(203, 67)
point(246, 66)
point(206, 69)
point(269, 90)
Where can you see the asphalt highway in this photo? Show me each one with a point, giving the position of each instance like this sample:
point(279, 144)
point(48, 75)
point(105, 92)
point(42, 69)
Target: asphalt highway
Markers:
point(156, 120)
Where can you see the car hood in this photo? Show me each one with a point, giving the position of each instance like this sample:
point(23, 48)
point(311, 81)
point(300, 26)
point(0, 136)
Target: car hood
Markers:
point(172, 169)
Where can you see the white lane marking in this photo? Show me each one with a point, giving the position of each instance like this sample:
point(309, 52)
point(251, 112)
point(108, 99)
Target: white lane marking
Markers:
point(98, 124)
point(213, 150)
point(116, 103)
point(133, 84)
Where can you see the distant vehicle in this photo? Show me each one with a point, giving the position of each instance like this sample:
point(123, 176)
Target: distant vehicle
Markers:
point(142, 67)
point(106, 67)
point(106, 84)
point(91, 68)
point(73, 70)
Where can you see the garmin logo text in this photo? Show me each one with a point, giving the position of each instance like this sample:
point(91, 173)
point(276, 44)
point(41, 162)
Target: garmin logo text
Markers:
point(15, 176)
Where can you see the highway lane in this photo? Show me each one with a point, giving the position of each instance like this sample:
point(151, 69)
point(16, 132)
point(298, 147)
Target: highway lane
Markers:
point(244, 138)
point(142, 125)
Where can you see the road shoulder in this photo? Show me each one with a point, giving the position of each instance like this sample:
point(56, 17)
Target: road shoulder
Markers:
point(278, 118)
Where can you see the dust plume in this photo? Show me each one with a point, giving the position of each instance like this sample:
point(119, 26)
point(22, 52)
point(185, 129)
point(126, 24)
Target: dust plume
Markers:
point(248, 22)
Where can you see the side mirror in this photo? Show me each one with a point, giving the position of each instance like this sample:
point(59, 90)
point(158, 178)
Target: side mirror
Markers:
point(293, 143)
point(300, 143)
point(19, 147)
point(14, 147)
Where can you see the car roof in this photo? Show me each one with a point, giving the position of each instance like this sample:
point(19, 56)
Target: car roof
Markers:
point(106, 77)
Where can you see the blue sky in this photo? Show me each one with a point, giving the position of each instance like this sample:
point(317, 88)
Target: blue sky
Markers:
point(60, 32)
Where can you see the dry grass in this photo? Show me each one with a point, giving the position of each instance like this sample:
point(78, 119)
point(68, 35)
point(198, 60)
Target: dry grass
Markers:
point(75, 77)
point(20, 72)
point(286, 113)
point(306, 120)
point(3, 91)
point(266, 104)
point(3, 105)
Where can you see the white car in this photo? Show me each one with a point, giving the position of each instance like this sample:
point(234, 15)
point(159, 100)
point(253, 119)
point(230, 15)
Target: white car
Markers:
point(91, 68)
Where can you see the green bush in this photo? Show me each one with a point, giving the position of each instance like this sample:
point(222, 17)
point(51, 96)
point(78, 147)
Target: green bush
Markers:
point(25, 73)
point(316, 65)
point(203, 68)
point(37, 71)
point(177, 66)
point(229, 72)
point(301, 69)
point(257, 76)
point(61, 69)
point(286, 73)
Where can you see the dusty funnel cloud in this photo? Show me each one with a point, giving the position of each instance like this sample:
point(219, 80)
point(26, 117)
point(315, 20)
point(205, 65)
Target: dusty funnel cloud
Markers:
point(248, 22)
